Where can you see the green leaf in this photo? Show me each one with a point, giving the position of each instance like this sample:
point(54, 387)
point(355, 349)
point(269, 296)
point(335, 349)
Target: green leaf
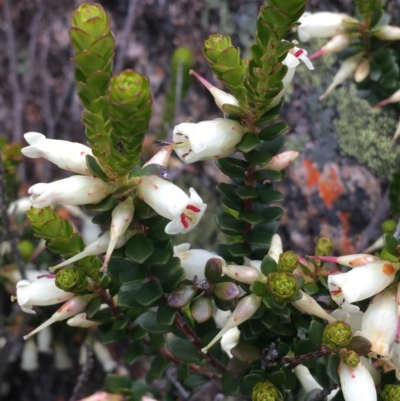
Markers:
point(332, 368)
point(127, 295)
point(95, 168)
point(134, 352)
point(268, 265)
point(149, 293)
point(278, 378)
point(239, 249)
point(105, 205)
point(254, 377)
point(133, 273)
point(138, 333)
point(183, 349)
point(158, 366)
point(230, 384)
point(391, 244)
point(233, 167)
point(267, 176)
point(120, 322)
point(258, 288)
point(315, 332)
point(166, 315)
point(232, 109)
point(116, 384)
point(112, 336)
point(311, 288)
point(148, 321)
point(139, 248)
point(251, 217)
point(249, 142)
point(273, 131)
point(93, 307)
point(269, 196)
point(259, 238)
point(229, 225)
point(246, 192)
point(258, 157)
point(272, 213)
point(171, 280)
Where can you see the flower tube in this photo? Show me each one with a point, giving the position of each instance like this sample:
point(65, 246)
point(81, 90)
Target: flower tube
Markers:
point(169, 201)
point(41, 292)
point(193, 261)
point(66, 155)
point(97, 247)
point(361, 283)
point(281, 161)
point(207, 140)
point(71, 308)
point(355, 260)
point(335, 45)
point(75, 190)
point(307, 304)
point(379, 323)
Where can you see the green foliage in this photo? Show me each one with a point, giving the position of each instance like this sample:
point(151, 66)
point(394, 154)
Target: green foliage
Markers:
point(368, 8)
point(11, 158)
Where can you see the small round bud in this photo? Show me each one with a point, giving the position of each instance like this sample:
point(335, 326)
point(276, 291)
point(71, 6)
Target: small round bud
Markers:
point(282, 286)
point(202, 309)
point(213, 269)
point(324, 246)
point(181, 296)
point(389, 226)
point(226, 291)
point(71, 280)
point(337, 335)
point(351, 359)
point(288, 261)
point(215, 45)
point(265, 392)
point(391, 392)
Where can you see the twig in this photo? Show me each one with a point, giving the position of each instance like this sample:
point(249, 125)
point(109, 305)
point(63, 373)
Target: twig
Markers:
point(291, 363)
point(192, 366)
point(181, 390)
point(85, 372)
point(107, 299)
point(195, 340)
point(130, 18)
point(7, 224)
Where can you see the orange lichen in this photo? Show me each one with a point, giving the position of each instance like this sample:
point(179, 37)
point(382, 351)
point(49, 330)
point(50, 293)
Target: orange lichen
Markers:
point(347, 246)
point(330, 187)
point(312, 173)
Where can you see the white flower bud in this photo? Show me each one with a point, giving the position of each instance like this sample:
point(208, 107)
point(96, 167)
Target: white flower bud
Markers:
point(121, 217)
point(62, 360)
point(362, 71)
point(67, 155)
point(281, 161)
point(75, 190)
point(161, 157)
point(356, 383)
point(276, 247)
point(44, 340)
point(353, 318)
point(104, 357)
point(97, 247)
point(29, 357)
point(335, 45)
point(244, 274)
point(72, 307)
point(345, 71)
point(345, 288)
point(207, 140)
point(388, 32)
point(41, 292)
point(379, 323)
point(169, 201)
point(392, 99)
point(355, 260)
point(243, 311)
point(20, 206)
point(193, 261)
point(230, 340)
point(320, 25)
point(307, 304)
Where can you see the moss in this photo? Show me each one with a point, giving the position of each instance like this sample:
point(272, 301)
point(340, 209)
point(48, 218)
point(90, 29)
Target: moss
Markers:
point(366, 133)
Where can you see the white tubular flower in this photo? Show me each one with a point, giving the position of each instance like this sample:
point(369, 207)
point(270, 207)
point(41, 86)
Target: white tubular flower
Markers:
point(41, 292)
point(220, 96)
point(103, 355)
point(230, 340)
point(292, 60)
point(67, 155)
point(379, 323)
point(75, 190)
point(169, 201)
point(243, 311)
point(307, 304)
point(161, 157)
point(281, 161)
point(71, 308)
point(121, 217)
point(373, 371)
point(206, 140)
point(356, 383)
point(388, 32)
point(193, 261)
point(276, 247)
point(395, 358)
point(355, 260)
point(244, 274)
point(29, 357)
point(320, 25)
point(97, 247)
point(44, 340)
point(62, 360)
point(80, 320)
point(395, 98)
point(362, 71)
point(20, 206)
point(361, 283)
point(345, 71)
point(306, 379)
point(335, 45)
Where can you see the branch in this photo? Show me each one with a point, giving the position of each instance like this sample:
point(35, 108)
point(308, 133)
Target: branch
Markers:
point(130, 18)
point(107, 299)
point(195, 340)
point(85, 372)
point(291, 363)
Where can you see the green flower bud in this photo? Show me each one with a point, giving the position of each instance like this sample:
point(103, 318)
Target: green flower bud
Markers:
point(181, 296)
point(391, 392)
point(282, 286)
point(71, 280)
point(91, 16)
point(324, 247)
point(213, 269)
point(351, 359)
point(265, 392)
point(389, 226)
point(202, 309)
point(288, 261)
point(26, 248)
point(337, 335)
point(215, 45)
point(226, 291)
